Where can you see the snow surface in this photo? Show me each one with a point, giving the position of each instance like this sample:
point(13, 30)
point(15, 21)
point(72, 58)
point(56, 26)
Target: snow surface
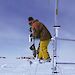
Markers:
point(23, 67)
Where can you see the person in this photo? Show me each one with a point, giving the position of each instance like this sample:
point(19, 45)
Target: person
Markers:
point(40, 31)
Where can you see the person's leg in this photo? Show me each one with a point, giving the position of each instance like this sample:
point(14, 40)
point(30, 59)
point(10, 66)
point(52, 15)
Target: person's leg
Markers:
point(43, 53)
point(40, 53)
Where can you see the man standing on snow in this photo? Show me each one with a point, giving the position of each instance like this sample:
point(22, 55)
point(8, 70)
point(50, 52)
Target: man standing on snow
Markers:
point(40, 31)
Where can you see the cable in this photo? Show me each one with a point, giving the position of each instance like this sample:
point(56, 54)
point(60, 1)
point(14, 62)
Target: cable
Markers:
point(64, 39)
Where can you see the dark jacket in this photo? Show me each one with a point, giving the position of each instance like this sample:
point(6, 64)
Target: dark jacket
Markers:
point(39, 30)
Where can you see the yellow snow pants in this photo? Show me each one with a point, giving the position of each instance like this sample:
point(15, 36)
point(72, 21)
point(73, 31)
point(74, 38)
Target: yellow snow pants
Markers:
point(43, 52)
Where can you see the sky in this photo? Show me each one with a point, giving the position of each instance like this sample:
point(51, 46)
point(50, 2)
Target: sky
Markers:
point(14, 29)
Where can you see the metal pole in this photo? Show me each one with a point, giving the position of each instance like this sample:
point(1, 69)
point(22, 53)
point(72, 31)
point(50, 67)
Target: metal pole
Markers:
point(55, 49)
point(56, 27)
point(56, 11)
point(66, 63)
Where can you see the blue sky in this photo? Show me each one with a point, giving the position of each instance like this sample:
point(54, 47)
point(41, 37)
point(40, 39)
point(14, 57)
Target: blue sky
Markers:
point(14, 25)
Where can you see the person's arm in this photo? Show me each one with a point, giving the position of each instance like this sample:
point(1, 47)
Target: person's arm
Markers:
point(36, 30)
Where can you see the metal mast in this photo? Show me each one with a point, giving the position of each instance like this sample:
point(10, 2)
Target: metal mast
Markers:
point(56, 27)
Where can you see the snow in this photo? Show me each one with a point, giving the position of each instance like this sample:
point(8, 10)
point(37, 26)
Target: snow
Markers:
point(23, 67)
